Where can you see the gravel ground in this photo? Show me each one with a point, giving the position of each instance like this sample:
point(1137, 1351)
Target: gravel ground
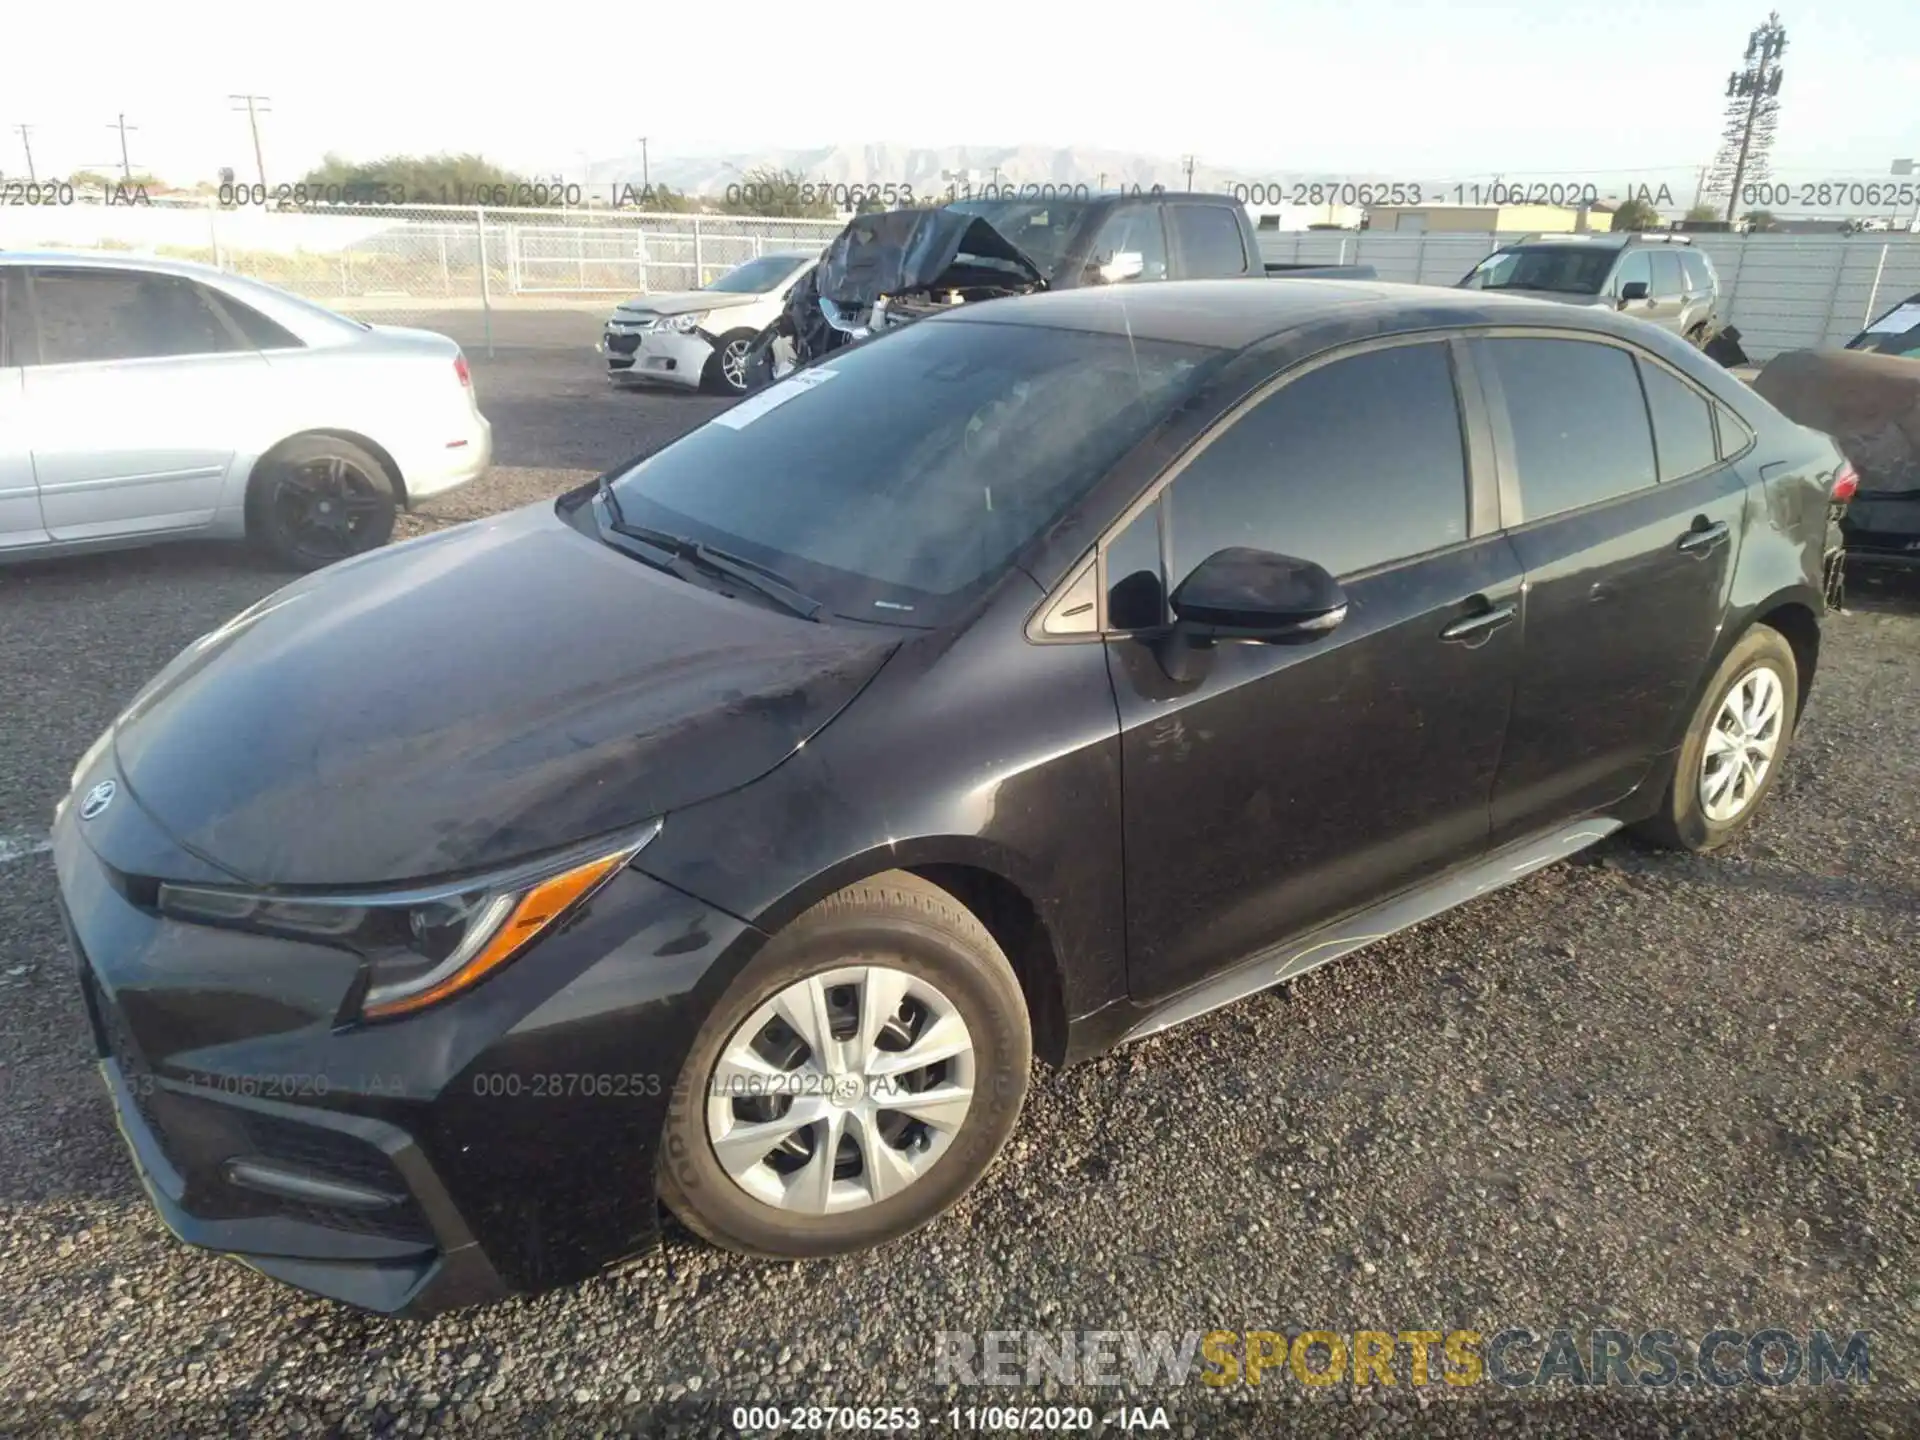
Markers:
point(1635, 1090)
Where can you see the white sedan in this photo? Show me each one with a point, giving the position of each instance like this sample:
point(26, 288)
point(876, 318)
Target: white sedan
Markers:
point(698, 339)
point(145, 399)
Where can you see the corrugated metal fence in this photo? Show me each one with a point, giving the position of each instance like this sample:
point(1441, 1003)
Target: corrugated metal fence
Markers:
point(1783, 292)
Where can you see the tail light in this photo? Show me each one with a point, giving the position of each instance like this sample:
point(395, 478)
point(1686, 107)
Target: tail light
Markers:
point(461, 372)
point(1845, 482)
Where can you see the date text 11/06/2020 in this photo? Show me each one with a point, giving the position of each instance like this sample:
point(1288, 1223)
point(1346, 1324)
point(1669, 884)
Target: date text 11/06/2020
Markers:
point(559, 195)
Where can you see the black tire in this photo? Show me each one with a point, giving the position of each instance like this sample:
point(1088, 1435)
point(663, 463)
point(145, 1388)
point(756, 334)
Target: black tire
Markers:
point(1682, 822)
point(317, 499)
point(918, 928)
point(1699, 336)
point(726, 372)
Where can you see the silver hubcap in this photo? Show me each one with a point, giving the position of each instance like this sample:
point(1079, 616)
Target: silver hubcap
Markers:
point(842, 1090)
point(733, 363)
point(1742, 744)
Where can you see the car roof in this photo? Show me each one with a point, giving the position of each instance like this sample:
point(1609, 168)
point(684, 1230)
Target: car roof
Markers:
point(112, 260)
point(1234, 314)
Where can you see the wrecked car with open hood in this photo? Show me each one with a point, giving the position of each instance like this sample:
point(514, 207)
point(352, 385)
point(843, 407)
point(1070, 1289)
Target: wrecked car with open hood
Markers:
point(887, 269)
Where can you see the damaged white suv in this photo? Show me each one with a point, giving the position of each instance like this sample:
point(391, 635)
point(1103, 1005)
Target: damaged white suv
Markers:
point(698, 339)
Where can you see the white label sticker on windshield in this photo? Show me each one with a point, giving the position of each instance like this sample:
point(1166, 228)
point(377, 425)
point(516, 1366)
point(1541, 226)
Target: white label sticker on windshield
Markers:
point(772, 398)
point(1903, 318)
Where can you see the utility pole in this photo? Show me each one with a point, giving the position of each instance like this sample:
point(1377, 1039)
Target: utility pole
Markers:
point(646, 169)
point(1699, 185)
point(1187, 160)
point(27, 145)
point(256, 106)
point(126, 165)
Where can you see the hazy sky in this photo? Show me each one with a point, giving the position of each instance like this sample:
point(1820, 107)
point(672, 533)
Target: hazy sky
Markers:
point(1394, 88)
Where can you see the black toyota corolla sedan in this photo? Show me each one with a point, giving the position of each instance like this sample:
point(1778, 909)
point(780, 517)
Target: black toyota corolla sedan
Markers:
point(730, 833)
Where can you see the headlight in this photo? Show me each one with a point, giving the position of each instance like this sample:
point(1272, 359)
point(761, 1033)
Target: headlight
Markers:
point(685, 324)
point(421, 946)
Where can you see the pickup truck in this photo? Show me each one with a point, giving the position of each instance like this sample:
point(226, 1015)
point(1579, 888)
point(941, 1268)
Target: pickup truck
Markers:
point(889, 268)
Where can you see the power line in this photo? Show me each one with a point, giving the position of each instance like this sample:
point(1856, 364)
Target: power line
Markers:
point(256, 107)
point(27, 145)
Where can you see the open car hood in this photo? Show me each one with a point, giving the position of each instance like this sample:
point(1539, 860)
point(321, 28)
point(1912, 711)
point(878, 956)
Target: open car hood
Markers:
point(902, 250)
point(1869, 403)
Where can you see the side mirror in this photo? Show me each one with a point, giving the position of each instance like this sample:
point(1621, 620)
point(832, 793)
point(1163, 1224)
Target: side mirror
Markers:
point(1123, 265)
point(1633, 290)
point(1241, 594)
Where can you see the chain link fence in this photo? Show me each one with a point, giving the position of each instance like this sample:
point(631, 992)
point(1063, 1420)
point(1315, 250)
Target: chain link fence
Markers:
point(452, 267)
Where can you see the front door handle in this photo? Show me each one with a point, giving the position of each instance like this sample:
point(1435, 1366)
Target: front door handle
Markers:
point(1478, 626)
point(1702, 538)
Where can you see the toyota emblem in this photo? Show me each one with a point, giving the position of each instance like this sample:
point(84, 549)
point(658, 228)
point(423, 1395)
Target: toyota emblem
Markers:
point(98, 799)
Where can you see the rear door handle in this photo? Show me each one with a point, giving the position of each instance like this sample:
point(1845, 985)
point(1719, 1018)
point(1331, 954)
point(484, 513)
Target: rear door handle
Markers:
point(1701, 540)
point(1479, 626)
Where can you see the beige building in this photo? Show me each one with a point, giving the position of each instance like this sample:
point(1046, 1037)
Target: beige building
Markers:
point(1485, 219)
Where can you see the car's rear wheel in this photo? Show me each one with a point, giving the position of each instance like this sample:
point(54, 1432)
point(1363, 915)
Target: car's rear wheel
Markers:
point(1734, 747)
point(318, 499)
point(726, 372)
point(1699, 335)
point(854, 1082)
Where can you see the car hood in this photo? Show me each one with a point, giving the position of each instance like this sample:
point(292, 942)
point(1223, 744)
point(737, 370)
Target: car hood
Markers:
point(645, 307)
point(470, 698)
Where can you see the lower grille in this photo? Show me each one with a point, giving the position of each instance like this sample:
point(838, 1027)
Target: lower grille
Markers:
point(210, 1129)
point(333, 1155)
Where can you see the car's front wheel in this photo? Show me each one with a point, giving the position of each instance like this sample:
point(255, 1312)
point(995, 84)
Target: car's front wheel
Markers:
point(854, 1082)
point(1734, 747)
point(318, 499)
point(727, 367)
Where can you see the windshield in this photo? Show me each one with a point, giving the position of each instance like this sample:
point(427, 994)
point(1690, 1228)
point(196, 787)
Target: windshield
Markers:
point(1564, 269)
point(1038, 227)
point(1895, 333)
point(898, 479)
point(757, 276)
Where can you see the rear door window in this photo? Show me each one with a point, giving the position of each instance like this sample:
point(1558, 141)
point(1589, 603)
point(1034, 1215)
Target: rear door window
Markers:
point(1668, 281)
point(1210, 241)
point(1578, 421)
point(93, 315)
point(1699, 280)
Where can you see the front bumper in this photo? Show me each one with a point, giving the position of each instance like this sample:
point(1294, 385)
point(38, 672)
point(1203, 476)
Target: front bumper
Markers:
point(501, 1143)
point(659, 357)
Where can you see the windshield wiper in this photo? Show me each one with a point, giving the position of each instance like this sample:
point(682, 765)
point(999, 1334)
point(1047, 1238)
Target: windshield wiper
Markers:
point(679, 548)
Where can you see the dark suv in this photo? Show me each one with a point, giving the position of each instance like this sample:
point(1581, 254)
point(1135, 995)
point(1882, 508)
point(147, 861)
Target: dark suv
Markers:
point(732, 832)
point(1658, 278)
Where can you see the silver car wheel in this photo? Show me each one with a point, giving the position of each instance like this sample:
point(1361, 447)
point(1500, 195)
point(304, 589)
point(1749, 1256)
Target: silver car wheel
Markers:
point(842, 1090)
point(1741, 746)
point(733, 363)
